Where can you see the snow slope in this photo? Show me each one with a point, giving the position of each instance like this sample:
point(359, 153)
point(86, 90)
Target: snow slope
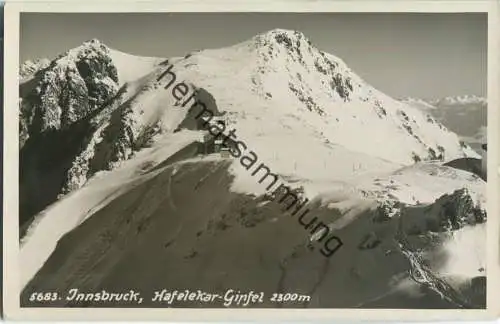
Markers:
point(51, 224)
point(132, 67)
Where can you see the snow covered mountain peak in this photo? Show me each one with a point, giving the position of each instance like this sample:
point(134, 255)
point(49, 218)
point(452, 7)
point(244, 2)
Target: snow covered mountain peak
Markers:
point(295, 45)
point(91, 49)
point(287, 60)
point(75, 84)
point(285, 37)
point(72, 86)
point(281, 32)
point(128, 67)
point(94, 41)
point(279, 73)
point(280, 48)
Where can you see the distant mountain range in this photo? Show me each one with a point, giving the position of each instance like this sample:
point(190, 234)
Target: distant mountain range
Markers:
point(460, 100)
point(465, 115)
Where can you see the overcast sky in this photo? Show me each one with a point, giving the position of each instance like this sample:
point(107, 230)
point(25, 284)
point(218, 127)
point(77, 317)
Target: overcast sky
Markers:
point(417, 55)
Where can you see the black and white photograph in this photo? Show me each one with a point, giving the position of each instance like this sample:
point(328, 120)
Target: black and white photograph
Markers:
point(253, 160)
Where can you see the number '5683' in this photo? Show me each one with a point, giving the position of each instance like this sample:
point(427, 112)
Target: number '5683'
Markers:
point(43, 297)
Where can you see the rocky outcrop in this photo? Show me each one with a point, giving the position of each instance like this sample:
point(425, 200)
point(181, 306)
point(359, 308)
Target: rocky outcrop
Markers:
point(449, 212)
point(74, 85)
point(459, 209)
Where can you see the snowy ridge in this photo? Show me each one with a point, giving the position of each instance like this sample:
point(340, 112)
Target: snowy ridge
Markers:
point(131, 67)
point(423, 183)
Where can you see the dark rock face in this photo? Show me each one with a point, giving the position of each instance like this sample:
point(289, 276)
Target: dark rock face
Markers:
point(56, 108)
point(94, 70)
point(43, 164)
point(73, 100)
point(449, 212)
point(459, 210)
point(23, 128)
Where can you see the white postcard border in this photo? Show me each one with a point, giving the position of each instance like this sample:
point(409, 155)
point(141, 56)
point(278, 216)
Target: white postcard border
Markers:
point(11, 287)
